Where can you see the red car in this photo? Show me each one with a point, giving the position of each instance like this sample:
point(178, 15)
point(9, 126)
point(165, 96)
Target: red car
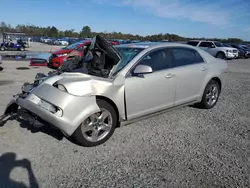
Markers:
point(58, 57)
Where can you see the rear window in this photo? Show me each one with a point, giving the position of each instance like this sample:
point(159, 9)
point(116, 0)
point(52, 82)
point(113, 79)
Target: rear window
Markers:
point(186, 56)
point(193, 43)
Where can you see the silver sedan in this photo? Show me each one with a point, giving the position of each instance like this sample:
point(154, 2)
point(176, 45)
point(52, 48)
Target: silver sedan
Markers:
point(130, 82)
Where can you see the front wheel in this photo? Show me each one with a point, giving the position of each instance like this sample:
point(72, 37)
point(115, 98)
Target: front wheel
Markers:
point(211, 95)
point(221, 55)
point(2, 48)
point(98, 127)
point(21, 49)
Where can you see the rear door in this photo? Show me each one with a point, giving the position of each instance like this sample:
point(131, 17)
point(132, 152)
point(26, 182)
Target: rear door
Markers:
point(190, 71)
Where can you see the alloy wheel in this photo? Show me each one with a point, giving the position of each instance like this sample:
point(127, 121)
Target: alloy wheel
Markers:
point(97, 126)
point(212, 95)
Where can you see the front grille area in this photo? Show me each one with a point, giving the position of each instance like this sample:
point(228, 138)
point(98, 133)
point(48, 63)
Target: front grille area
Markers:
point(235, 51)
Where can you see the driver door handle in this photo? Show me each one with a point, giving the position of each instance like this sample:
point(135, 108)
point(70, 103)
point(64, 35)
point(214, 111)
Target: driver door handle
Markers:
point(169, 76)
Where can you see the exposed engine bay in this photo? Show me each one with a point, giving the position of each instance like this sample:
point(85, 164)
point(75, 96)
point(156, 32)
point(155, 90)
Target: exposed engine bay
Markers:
point(98, 60)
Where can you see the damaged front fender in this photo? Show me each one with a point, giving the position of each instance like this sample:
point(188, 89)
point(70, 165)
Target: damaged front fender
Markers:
point(12, 107)
point(61, 109)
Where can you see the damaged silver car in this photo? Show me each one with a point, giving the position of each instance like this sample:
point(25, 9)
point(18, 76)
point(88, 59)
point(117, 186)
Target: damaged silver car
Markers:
point(123, 84)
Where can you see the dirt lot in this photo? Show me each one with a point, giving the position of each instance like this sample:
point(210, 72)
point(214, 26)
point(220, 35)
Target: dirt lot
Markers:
point(188, 147)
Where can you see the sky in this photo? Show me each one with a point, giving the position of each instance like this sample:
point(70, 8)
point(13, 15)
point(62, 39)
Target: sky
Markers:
point(188, 18)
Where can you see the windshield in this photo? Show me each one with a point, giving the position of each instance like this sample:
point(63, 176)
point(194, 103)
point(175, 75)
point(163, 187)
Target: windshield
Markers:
point(218, 44)
point(227, 45)
point(127, 55)
point(73, 46)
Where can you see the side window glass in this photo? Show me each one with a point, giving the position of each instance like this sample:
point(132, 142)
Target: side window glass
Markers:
point(193, 43)
point(203, 44)
point(157, 60)
point(185, 56)
point(209, 44)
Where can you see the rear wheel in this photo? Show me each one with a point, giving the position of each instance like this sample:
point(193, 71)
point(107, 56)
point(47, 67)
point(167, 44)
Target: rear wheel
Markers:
point(211, 95)
point(98, 127)
point(221, 55)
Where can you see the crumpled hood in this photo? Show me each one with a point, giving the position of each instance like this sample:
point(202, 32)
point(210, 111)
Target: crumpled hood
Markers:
point(81, 84)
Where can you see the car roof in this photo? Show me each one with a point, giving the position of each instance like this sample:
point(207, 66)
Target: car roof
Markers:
point(154, 45)
point(138, 45)
point(203, 41)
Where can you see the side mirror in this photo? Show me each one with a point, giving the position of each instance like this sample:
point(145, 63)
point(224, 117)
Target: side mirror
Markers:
point(142, 69)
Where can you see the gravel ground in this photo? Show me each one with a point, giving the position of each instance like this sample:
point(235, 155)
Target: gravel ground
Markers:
point(187, 147)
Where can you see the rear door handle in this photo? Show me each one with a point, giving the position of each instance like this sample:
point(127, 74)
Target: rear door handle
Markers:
point(169, 76)
point(203, 68)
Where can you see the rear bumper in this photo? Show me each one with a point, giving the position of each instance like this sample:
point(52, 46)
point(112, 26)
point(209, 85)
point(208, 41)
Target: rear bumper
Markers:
point(64, 111)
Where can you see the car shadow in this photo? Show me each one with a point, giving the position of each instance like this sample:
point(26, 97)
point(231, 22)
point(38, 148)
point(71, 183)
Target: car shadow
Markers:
point(26, 124)
point(197, 106)
point(8, 162)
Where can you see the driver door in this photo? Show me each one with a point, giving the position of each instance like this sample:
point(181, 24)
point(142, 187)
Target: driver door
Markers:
point(149, 93)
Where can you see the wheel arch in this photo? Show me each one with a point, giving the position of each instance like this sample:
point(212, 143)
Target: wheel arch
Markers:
point(101, 97)
point(220, 52)
point(217, 79)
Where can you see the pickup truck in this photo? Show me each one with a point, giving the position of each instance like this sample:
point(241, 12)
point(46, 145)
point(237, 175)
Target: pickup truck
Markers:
point(215, 48)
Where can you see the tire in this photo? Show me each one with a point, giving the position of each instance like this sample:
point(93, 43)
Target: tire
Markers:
point(205, 102)
point(21, 49)
point(86, 137)
point(2, 48)
point(221, 55)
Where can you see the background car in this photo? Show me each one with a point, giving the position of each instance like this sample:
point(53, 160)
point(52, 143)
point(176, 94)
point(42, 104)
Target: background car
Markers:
point(241, 53)
point(244, 52)
point(215, 48)
point(61, 42)
point(58, 57)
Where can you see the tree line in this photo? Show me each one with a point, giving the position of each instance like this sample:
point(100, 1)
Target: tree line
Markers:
point(86, 32)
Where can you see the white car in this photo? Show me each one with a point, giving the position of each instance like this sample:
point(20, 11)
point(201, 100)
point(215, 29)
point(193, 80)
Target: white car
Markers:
point(61, 42)
point(216, 49)
point(64, 43)
point(132, 82)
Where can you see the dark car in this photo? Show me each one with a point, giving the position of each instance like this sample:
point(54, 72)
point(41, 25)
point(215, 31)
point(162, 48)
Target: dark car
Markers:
point(245, 47)
point(244, 51)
